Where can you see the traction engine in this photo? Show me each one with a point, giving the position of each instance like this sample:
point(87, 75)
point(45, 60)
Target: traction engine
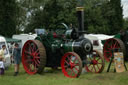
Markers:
point(66, 48)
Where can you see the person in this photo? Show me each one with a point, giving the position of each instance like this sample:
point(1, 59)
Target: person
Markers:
point(2, 60)
point(17, 58)
point(11, 48)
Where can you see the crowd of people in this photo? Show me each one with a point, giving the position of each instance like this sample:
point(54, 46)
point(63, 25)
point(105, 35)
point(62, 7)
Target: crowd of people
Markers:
point(15, 54)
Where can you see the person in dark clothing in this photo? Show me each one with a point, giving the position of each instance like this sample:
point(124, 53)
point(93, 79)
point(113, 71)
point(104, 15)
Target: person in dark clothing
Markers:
point(17, 58)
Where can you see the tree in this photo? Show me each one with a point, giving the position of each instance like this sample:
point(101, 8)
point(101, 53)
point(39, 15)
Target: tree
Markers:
point(126, 23)
point(54, 13)
point(94, 16)
point(101, 16)
point(27, 9)
point(116, 19)
point(8, 17)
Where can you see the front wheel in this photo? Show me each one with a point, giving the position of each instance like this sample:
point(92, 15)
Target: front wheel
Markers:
point(71, 65)
point(95, 62)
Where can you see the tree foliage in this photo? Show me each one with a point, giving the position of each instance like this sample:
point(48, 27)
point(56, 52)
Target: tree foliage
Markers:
point(101, 16)
point(8, 17)
point(116, 20)
point(94, 16)
point(54, 13)
point(27, 9)
point(126, 23)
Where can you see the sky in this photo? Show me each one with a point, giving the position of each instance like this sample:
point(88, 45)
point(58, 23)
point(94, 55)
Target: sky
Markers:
point(125, 8)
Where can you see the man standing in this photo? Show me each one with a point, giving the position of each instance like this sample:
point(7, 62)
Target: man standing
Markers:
point(17, 58)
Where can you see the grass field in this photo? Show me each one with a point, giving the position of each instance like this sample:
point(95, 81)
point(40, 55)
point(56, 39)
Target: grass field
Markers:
point(50, 77)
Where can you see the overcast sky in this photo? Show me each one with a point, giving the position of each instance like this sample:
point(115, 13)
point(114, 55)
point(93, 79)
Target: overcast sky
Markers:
point(125, 7)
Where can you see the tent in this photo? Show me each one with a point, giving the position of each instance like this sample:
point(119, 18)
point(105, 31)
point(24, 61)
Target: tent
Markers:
point(9, 40)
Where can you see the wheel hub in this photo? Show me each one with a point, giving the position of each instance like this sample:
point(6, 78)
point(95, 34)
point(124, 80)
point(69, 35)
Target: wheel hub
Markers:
point(72, 65)
point(94, 62)
point(33, 54)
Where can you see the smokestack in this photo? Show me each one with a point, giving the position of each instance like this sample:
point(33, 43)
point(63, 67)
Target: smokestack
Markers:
point(80, 14)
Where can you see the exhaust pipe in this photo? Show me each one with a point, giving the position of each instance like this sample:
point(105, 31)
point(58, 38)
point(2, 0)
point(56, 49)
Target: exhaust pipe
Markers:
point(80, 14)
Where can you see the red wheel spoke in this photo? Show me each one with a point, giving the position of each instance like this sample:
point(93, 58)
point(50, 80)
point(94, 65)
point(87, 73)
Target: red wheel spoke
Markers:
point(35, 67)
point(98, 66)
point(89, 65)
point(26, 52)
point(98, 59)
point(71, 73)
point(76, 69)
point(37, 53)
point(74, 72)
point(34, 47)
point(28, 57)
point(118, 46)
point(29, 45)
point(36, 62)
point(94, 68)
point(69, 58)
point(111, 47)
point(37, 57)
point(26, 61)
point(65, 66)
point(99, 63)
point(115, 44)
point(66, 62)
point(70, 70)
point(31, 67)
point(94, 57)
point(30, 48)
point(75, 59)
point(107, 51)
point(76, 64)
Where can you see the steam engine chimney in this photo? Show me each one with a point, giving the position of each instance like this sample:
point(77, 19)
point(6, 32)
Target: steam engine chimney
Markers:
point(80, 14)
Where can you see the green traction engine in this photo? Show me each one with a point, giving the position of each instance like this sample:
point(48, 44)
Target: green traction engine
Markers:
point(66, 48)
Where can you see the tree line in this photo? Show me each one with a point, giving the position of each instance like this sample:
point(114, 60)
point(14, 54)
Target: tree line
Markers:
point(101, 16)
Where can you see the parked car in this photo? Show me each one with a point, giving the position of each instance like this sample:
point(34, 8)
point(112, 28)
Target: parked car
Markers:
point(7, 54)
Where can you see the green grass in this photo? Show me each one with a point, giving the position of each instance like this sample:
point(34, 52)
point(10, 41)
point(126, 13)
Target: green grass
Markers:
point(57, 78)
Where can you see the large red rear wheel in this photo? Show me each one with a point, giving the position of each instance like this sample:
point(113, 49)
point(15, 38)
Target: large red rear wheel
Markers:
point(71, 65)
point(33, 57)
point(95, 62)
point(111, 45)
